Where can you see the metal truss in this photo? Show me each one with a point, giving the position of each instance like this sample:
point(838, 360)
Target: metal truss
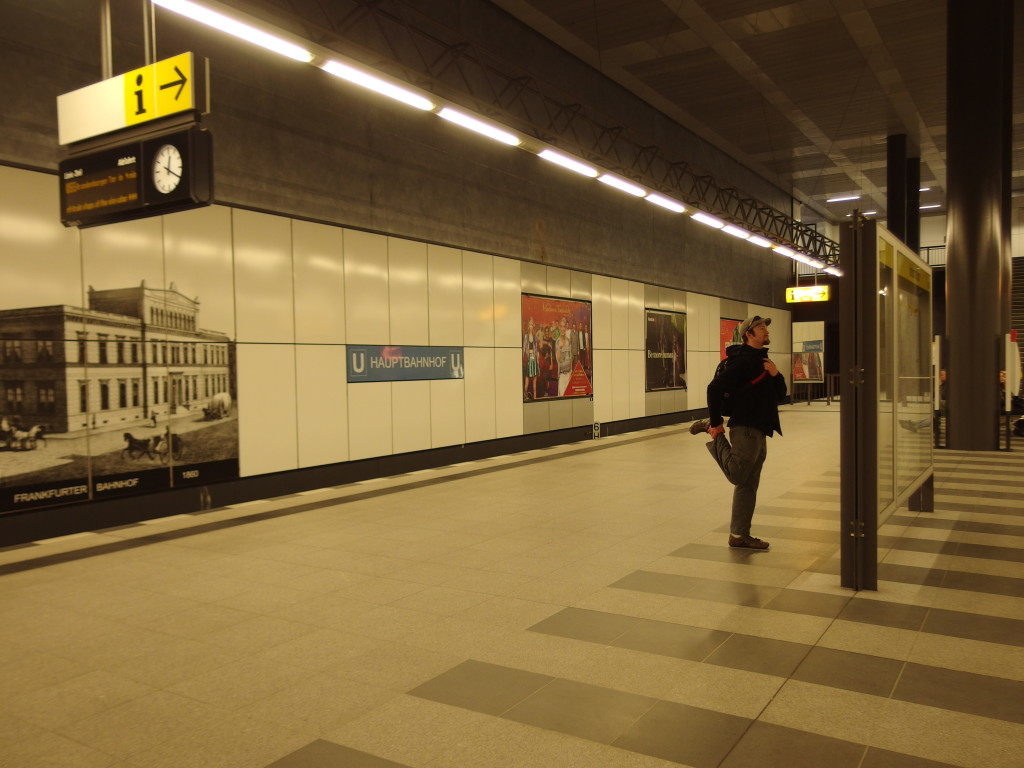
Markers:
point(397, 38)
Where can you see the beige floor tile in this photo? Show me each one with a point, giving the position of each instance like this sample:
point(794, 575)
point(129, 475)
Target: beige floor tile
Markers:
point(981, 658)
point(912, 729)
point(398, 666)
point(954, 563)
point(76, 698)
point(256, 634)
point(870, 639)
point(240, 683)
point(49, 750)
point(320, 703)
point(760, 622)
point(320, 650)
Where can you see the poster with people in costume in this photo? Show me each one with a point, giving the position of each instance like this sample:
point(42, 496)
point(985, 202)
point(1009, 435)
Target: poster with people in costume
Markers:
point(557, 338)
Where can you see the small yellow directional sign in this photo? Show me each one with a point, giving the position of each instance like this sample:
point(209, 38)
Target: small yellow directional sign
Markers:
point(157, 90)
point(807, 293)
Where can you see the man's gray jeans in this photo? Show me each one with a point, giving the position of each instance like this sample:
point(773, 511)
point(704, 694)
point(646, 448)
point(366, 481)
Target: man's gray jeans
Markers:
point(741, 461)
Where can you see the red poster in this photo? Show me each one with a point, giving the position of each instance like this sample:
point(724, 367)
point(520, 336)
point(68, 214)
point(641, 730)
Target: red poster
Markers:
point(730, 334)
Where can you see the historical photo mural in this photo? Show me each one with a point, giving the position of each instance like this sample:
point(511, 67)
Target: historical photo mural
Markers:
point(127, 392)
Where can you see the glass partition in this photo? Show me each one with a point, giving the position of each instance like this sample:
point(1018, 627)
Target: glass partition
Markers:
point(886, 363)
point(914, 369)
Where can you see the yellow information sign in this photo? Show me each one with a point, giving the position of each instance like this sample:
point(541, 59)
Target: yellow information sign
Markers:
point(174, 85)
point(807, 293)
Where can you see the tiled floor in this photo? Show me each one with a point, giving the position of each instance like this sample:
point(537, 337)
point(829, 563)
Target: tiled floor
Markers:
point(569, 607)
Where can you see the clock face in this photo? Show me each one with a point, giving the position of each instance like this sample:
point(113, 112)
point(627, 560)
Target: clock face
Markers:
point(167, 168)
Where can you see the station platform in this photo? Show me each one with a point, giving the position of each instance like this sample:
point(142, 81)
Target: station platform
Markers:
point(573, 606)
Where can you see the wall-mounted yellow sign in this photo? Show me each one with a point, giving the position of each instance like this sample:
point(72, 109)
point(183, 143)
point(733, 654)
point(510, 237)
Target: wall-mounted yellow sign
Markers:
point(801, 293)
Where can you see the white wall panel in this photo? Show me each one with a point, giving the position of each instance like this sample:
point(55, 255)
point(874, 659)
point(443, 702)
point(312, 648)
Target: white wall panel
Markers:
point(322, 410)
point(264, 295)
point(407, 273)
point(198, 260)
point(534, 277)
point(267, 427)
point(619, 296)
point(620, 384)
point(508, 304)
point(637, 320)
point(581, 285)
point(30, 228)
point(410, 409)
point(367, 316)
point(582, 411)
point(508, 392)
point(480, 394)
point(536, 417)
point(559, 282)
point(478, 299)
point(444, 278)
point(319, 253)
point(369, 420)
point(603, 386)
point(447, 412)
point(637, 383)
point(602, 313)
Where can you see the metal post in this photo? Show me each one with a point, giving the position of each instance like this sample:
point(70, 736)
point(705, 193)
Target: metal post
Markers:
point(106, 45)
point(149, 31)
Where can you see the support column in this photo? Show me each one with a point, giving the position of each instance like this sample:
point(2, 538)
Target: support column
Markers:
point(896, 185)
point(913, 238)
point(979, 114)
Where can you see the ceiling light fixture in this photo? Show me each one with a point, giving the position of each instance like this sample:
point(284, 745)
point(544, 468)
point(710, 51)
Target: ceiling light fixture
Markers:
point(621, 184)
point(842, 199)
point(236, 28)
point(759, 241)
point(924, 189)
point(384, 88)
point(567, 162)
point(933, 205)
point(485, 129)
point(708, 219)
point(742, 234)
point(834, 271)
point(665, 202)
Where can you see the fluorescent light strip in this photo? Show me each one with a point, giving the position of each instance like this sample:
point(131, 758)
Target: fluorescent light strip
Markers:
point(708, 219)
point(834, 271)
point(665, 202)
point(926, 207)
point(784, 251)
point(567, 162)
point(384, 88)
point(621, 184)
point(742, 234)
point(843, 199)
point(236, 28)
point(485, 129)
point(924, 189)
point(760, 241)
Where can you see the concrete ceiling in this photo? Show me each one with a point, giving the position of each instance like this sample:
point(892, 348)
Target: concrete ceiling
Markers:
point(805, 93)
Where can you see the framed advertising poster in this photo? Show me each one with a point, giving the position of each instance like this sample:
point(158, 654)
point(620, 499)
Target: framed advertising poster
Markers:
point(557, 348)
point(730, 334)
point(807, 365)
point(666, 350)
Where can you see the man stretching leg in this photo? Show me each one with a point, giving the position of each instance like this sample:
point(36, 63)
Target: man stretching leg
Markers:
point(755, 388)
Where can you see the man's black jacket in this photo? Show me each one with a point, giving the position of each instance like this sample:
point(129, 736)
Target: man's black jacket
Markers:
point(755, 397)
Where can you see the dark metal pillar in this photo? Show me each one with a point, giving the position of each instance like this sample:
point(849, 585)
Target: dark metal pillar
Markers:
point(896, 185)
point(913, 238)
point(979, 114)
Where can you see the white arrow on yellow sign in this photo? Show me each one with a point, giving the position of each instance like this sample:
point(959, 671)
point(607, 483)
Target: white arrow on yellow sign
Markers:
point(157, 90)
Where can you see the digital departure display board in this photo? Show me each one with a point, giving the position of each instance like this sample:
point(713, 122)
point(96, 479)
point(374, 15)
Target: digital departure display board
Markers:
point(163, 174)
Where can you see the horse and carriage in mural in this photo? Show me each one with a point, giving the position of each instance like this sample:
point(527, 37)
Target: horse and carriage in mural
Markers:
point(15, 437)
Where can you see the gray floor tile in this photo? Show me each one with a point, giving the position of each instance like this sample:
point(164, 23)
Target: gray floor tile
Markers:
point(849, 671)
point(910, 574)
point(809, 603)
point(658, 583)
point(886, 614)
point(683, 734)
point(733, 592)
point(984, 552)
point(962, 692)
point(773, 746)
point(588, 711)
point(881, 758)
point(760, 654)
point(973, 626)
point(325, 754)
point(582, 624)
point(980, 582)
point(675, 640)
point(482, 687)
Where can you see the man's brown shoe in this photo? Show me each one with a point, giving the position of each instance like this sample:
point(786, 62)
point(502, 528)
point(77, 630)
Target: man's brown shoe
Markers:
point(699, 426)
point(747, 542)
